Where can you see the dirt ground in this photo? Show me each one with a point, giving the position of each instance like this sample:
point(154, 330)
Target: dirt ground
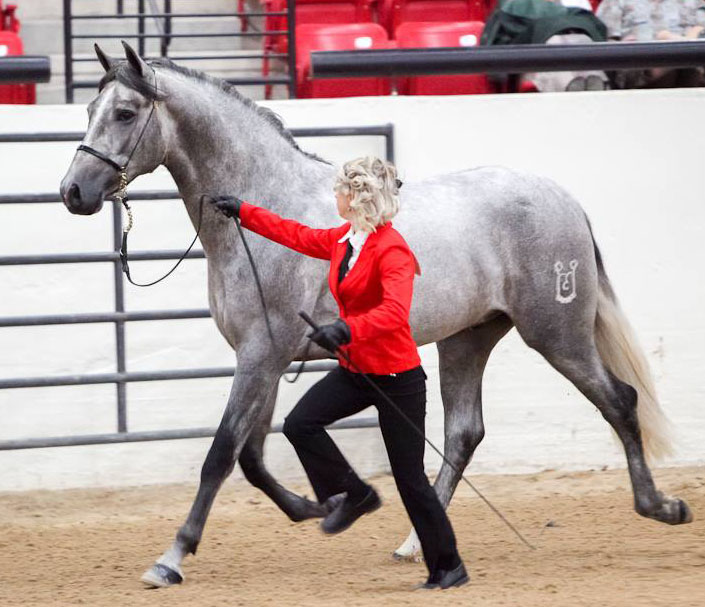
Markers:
point(89, 547)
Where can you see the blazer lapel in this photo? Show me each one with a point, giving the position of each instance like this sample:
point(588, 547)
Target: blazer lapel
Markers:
point(336, 259)
point(361, 264)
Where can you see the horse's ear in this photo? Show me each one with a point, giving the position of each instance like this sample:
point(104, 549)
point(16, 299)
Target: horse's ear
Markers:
point(134, 59)
point(105, 61)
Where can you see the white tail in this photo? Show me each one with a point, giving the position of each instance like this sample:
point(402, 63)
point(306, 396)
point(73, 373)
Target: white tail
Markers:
point(622, 355)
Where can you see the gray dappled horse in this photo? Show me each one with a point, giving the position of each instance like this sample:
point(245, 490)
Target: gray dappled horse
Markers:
point(500, 249)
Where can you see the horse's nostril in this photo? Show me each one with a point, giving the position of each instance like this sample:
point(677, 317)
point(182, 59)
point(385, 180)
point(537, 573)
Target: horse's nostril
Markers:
point(74, 194)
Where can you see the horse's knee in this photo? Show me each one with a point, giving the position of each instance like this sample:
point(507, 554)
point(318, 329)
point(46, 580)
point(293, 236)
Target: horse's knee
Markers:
point(252, 466)
point(220, 459)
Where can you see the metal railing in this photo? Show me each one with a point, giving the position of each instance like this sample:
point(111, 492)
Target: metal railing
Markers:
point(515, 59)
point(120, 316)
point(165, 20)
point(23, 69)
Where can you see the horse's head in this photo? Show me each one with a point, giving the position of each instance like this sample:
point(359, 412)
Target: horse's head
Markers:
point(124, 131)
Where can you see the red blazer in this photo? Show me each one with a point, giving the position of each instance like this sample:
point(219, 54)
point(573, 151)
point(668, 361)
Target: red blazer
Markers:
point(374, 297)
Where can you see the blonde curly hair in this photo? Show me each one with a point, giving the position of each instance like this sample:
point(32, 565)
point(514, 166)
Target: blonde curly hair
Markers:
point(374, 189)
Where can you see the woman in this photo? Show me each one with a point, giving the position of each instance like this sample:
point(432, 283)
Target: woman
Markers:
point(371, 278)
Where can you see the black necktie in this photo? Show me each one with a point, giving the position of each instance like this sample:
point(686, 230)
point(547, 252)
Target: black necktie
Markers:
point(346, 259)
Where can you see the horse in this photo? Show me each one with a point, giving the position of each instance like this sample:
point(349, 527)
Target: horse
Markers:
point(501, 249)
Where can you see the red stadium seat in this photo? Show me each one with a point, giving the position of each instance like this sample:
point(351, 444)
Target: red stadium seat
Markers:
point(11, 44)
point(316, 11)
point(330, 11)
point(320, 37)
point(8, 20)
point(309, 11)
point(433, 35)
point(392, 13)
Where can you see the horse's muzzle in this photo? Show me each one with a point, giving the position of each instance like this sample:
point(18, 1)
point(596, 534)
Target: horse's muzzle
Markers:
point(77, 202)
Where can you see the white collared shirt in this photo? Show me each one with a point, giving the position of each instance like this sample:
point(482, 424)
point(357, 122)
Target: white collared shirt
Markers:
point(357, 239)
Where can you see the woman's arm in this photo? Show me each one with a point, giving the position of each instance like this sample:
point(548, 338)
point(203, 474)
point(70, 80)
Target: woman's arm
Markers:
point(309, 241)
point(396, 267)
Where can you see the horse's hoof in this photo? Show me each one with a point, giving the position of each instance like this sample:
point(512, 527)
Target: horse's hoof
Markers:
point(673, 511)
point(304, 509)
point(410, 550)
point(686, 516)
point(412, 557)
point(161, 576)
point(333, 502)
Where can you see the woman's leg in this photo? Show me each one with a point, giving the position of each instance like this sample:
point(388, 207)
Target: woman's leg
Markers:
point(405, 447)
point(332, 398)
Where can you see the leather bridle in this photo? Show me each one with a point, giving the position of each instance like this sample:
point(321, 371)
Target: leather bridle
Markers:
point(121, 195)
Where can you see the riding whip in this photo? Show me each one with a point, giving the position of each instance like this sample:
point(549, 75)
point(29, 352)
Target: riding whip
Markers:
point(310, 321)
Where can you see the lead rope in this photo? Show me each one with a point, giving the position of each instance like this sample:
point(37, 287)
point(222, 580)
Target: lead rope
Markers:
point(121, 196)
point(264, 305)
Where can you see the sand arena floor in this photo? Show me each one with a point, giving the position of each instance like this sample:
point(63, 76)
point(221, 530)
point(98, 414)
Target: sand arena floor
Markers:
point(89, 547)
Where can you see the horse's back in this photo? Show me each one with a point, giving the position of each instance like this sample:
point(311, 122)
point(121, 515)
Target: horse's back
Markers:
point(487, 206)
point(474, 232)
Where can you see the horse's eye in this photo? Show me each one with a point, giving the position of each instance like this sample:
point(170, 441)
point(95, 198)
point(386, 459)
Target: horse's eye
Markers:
point(124, 115)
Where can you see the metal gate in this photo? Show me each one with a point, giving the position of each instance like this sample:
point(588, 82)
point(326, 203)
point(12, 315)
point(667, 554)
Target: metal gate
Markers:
point(87, 26)
point(120, 316)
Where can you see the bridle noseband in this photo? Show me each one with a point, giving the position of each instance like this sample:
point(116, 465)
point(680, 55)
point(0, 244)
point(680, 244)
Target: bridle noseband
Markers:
point(103, 157)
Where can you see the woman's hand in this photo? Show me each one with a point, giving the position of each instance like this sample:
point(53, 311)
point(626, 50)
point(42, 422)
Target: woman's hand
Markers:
point(227, 205)
point(331, 336)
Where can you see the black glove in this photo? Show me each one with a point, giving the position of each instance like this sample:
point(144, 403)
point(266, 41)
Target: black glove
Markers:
point(331, 336)
point(227, 205)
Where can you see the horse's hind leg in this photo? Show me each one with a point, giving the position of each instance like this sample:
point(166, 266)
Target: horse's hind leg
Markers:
point(566, 338)
point(617, 401)
point(251, 460)
point(461, 363)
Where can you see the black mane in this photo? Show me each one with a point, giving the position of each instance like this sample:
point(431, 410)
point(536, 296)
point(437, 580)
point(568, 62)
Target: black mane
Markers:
point(124, 73)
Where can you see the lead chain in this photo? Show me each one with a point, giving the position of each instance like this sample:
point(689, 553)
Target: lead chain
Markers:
point(121, 195)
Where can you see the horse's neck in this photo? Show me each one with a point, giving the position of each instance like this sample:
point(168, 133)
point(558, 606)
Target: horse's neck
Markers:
point(222, 147)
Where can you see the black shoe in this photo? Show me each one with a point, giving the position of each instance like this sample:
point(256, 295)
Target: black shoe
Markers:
point(447, 579)
point(348, 511)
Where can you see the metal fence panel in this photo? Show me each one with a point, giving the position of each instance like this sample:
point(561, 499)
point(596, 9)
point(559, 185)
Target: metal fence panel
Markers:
point(119, 317)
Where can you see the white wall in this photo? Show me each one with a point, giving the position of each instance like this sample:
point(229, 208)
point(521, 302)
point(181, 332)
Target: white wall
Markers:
point(633, 159)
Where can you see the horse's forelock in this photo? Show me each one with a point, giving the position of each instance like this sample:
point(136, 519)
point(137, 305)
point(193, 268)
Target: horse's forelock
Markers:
point(124, 73)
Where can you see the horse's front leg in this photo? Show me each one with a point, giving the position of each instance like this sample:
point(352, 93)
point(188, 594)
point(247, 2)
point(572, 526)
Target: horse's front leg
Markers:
point(251, 461)
point(251, 390)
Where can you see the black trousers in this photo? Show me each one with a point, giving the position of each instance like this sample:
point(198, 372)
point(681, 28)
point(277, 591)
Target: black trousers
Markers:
point(342, 393)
